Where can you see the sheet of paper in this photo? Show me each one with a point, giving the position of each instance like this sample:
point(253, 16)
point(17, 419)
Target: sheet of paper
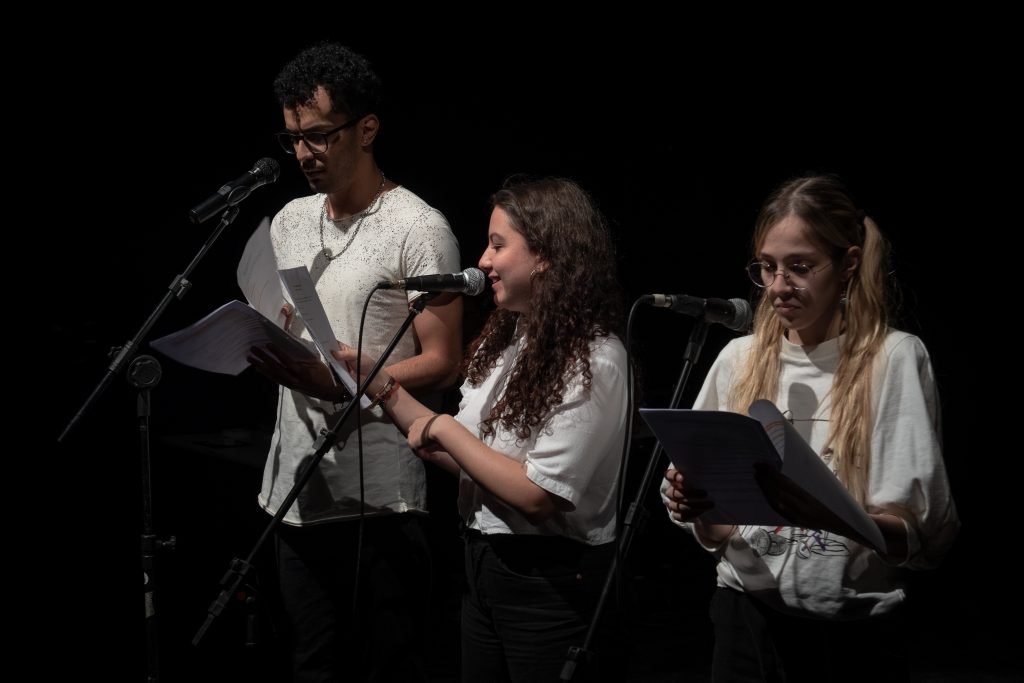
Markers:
point(801, 464)
point(258, 277)
point(717, 450)
point(220, 342)
point(308, 305)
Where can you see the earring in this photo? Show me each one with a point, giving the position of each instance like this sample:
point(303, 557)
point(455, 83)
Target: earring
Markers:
point(533, 272)
point(843, 299)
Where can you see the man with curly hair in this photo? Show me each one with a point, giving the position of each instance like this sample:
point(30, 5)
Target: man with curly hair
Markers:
point(353, 560)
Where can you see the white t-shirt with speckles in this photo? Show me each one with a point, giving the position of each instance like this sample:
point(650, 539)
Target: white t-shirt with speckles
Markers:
point(400, 236)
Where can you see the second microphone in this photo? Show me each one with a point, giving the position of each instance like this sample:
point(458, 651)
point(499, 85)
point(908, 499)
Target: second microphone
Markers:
point(470, 281)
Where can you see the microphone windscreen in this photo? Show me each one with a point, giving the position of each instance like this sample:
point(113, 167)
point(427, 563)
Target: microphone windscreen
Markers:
point(267, 169)
point(744, 315)
point(475, 281)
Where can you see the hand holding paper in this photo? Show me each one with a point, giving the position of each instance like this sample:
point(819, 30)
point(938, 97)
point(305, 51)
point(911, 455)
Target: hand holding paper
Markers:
point(802, 509)
point(759, 470)
point(308, 375)
point(308, 305)
point(235, 336)
point(684, 501)
point(221, 341)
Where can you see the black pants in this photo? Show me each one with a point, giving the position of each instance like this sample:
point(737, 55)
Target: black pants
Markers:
point(529, 599)
point(754, 642)
point(383, 641)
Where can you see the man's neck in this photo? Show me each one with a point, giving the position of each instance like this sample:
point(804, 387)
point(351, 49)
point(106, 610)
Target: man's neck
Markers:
point(359, 196)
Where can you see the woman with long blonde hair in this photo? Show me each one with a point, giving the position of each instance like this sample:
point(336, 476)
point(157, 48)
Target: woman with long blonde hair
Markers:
point(797, 602)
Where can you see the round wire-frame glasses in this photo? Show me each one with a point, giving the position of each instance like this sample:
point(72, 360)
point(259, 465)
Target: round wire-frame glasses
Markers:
point(798, 275)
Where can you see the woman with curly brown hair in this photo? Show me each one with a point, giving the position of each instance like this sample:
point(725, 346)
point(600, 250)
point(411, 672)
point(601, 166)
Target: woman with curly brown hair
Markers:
point(539, 432)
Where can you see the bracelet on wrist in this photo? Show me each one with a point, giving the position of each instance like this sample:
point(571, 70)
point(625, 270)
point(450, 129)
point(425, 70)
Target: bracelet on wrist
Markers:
point(425, 437)
point(385, 393)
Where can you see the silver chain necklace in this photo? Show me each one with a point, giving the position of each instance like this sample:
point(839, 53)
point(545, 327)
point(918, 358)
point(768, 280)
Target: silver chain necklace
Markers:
point(355, 228)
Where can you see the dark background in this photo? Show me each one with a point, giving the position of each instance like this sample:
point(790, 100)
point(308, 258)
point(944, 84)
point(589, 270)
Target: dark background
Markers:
point(679, 138)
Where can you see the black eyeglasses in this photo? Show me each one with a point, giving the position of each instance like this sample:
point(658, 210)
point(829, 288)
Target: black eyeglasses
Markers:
point(315, 140)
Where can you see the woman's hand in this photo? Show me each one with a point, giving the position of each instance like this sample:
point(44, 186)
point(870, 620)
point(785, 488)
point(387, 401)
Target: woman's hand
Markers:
point(419, 435)
point(800, 508)
point(684, 503)
point(687, 503)
point(424, 445)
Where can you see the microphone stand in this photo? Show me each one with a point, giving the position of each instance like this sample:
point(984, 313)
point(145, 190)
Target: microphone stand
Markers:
point(178, 289)
point(144, 373)
point(637, 515)
point(238, 569)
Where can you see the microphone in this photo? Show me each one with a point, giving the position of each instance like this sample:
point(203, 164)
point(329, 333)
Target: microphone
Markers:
point(266, 170)
point(470, 281)
point(734, 313)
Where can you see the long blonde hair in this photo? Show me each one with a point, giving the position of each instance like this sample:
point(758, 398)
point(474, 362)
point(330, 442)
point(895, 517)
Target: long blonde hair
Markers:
point(836, 224)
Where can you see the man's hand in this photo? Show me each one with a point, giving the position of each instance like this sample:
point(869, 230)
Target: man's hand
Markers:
point(307, 376)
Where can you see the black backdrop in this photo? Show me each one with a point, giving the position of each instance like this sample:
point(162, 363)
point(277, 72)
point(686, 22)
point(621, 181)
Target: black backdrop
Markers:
point(678, 143)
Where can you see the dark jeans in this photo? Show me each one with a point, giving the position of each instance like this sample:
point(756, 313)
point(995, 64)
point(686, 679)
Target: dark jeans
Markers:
point(754, 642)
point(382, 642)
point(529, 599)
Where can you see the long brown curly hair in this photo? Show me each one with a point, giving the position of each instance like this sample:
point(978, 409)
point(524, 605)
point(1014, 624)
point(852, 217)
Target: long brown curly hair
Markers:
point(576, 298)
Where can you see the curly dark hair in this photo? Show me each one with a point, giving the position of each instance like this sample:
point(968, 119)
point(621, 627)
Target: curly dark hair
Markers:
point(354, 87)
point(576, 298)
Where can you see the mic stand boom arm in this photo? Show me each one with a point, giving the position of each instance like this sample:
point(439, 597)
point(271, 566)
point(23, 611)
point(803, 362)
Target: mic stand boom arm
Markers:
point(177, 289)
